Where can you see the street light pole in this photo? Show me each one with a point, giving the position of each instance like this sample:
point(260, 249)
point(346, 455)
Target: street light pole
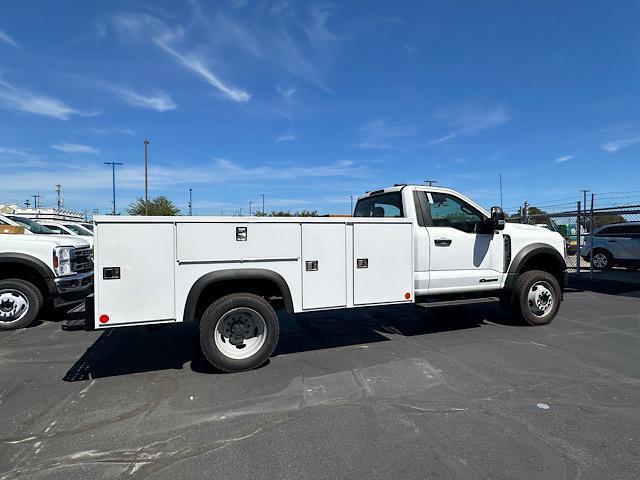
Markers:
point(113, 173)
point(190, 203)
point(146, 184)
point(250, 211)
point(262, 203)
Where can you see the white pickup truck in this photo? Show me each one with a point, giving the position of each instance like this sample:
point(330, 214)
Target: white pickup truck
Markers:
point(405, 244)
point(39, 268)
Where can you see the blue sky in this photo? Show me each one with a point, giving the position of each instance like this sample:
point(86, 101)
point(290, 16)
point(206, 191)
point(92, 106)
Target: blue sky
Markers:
point(309, 103)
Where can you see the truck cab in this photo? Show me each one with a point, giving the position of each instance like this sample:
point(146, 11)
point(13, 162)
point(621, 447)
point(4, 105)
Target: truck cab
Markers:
point(459, 247)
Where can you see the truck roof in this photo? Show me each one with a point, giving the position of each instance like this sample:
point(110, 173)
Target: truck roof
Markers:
point(400, 186)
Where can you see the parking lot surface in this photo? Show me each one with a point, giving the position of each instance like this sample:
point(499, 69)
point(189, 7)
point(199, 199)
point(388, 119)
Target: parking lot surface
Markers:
point(386, 393)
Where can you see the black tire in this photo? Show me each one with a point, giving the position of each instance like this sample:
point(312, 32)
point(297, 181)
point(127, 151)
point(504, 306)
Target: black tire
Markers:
point(14, 291)
point(608, 259)
point(228, 304)
point(523, 305)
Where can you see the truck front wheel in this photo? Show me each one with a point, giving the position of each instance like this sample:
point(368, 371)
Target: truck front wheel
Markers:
point(536, 297)
point(239, 332)
point(20, 302)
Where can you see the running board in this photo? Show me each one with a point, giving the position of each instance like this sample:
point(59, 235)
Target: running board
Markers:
point(454, 303)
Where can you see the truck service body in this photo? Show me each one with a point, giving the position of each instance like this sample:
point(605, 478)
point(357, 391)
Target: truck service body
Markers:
point(405, 244)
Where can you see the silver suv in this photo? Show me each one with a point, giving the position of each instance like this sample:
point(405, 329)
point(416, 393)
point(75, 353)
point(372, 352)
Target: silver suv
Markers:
point(614, 245)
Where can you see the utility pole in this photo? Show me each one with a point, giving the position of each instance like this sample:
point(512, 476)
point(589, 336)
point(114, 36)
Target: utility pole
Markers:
point(263, 203)
point(500, 190)
point(250, 211)
point(430, 182)
point(36, 199)
point(584, 203)
point(146, 183)
point(351, 197)
point(113, 170)
point(190, 203)
point(58, 197)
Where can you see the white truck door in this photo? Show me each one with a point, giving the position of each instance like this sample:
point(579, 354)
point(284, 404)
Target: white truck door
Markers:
point(324, 276)
point(461, 259)
point(382, 263)
point(134, 273)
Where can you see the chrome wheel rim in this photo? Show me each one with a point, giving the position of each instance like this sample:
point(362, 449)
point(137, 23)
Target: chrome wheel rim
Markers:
point(240, 333)
point(600, 260)
point(540, 299)
point(14, 305)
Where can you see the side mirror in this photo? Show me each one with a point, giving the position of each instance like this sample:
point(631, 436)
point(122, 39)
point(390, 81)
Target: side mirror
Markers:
point(497, 218)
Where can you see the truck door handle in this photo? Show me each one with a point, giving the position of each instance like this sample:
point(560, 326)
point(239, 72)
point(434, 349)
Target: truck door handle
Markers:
point(443, 242)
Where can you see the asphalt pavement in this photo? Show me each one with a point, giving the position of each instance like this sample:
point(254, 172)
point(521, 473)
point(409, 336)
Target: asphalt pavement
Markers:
point(374, 393)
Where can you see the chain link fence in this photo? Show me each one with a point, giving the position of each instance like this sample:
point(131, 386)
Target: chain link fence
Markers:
point(601, 240)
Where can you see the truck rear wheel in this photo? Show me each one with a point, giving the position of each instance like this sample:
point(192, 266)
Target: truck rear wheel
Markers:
point(536, 297)
point(20, 303)
point(239, 332)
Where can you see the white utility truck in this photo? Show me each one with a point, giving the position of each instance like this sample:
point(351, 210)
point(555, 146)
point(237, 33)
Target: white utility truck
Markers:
point(39, 268)
point(405, 244)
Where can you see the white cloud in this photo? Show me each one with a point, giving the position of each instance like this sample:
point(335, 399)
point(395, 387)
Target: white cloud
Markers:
point(75, 148)
point(198, 66)
point(286, 92)
point(380, 134)
point(23, 100)
point(470, 120)
point(564, 158)
point(151, 28)
point(287, 137)
point(443, 139)
point(619, 144)
point(14, 151)
point(4, 37)
point(157, 100)
point(112, 131)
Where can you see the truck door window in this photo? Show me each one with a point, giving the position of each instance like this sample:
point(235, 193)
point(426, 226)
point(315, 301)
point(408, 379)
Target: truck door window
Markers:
point(450, 211)
point(383, 205)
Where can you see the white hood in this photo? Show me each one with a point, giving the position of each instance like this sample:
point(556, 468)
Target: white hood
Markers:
point(59, 240)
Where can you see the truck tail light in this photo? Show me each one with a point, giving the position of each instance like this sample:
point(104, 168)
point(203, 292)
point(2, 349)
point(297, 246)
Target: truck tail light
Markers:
point(104, 318)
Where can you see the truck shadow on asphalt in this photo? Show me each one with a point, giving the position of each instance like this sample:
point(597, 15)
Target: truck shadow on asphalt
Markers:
point(130, 350)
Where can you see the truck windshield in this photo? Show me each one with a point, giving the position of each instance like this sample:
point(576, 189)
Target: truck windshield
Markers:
point(32, 226)
point(382, 205)
point(76, 229)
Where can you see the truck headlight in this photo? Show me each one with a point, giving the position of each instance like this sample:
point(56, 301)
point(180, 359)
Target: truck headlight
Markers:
point(62, 261)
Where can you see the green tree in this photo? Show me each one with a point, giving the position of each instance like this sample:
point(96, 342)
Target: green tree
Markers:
point(604, 219)
point(157, 206)
point(287, 213)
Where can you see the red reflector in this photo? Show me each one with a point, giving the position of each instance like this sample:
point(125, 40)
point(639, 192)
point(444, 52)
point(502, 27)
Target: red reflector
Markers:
point(407, 295)
point(104, 318)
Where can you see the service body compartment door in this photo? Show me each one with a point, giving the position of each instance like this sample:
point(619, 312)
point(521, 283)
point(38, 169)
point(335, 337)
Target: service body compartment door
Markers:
point(134, 272)
point(382, 263)
point(324, 275)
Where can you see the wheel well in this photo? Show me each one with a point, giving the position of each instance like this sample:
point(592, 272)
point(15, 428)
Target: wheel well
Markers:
point(265, 288)
point(24, 272)
point(547, 263)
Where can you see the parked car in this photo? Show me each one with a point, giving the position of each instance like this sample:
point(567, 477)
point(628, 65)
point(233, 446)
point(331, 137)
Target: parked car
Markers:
point(68, 228)
point(407, 244)
point(40, 268)
point(613, 245)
